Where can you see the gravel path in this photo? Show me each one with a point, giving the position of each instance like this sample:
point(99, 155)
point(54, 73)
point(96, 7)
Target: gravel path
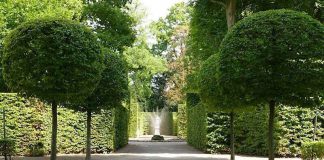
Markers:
point(153, 151)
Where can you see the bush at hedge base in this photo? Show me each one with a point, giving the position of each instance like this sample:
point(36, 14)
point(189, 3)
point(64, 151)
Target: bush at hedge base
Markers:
point(7, 147)
point(313, 150)
point(36, 150)
point(273, 57)
point(55, 60)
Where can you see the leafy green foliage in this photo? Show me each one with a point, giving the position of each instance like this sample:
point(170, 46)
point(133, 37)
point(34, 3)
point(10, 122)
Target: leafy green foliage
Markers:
point(319, 10)
point(7, 147)
point(29, 121)
point(297, 128)
point(36, 150)
point(13, 13)
point(218, 132)
point(165, 28)
point(207, 29)
point(52, 59)
point(19, 11)
point(170, 33)
point(112, 89)
point(313, 150)
point(274, 59)
point(208, 26)
point(112, 25)
point(142, 66)
point(211, 90)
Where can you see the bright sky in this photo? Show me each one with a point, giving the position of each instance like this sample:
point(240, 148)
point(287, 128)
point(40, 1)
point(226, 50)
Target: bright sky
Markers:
point(158, 8)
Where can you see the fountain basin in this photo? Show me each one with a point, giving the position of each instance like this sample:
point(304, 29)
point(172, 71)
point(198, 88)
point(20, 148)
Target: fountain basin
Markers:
point(157, 138)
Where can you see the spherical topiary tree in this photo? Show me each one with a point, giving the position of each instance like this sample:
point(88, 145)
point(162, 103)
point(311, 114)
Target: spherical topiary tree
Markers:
point(110, 93)
point(55, 60)
point(273, 57)
point(212, 96)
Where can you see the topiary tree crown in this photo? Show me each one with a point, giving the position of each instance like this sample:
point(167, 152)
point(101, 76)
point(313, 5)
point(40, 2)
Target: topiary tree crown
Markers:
point(211, 90)
point(275, 55)
point(52, 59)
point(112, 88)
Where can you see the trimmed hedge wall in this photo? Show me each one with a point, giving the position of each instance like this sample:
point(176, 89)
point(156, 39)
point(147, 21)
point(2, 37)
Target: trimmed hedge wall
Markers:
point(175, 123)
point(218, 133)
point(134, 112)
point(29, 121)
point(182, 121)
point(121, 120)
point(294, 126)
point(167, 124)
point(197, 123)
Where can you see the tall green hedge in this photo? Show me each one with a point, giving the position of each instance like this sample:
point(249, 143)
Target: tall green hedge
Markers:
point(182, 121)
point(29, 121)
point(121, 120)
point(294, 126)
point(251, 130)
point(167, 124)
point(133, 113)
point(197, 123)
point(218, 132)
point(175, 123)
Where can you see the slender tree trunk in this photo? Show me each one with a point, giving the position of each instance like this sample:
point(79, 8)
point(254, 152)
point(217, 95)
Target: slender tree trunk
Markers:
point(54, 131)
point(230, 13)
point(230, 17)
point(272, 105)
point(232, 136)
point(88, 151)
point(315, 126)
point(4, 131)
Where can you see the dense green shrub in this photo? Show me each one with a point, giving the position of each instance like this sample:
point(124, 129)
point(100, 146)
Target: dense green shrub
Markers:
point(182, 121)
point(7, 147)
point(313, 150)
point(294, 127)
point(197, 123)
point(218, 132)
point(37, 149)
point(28, 122)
